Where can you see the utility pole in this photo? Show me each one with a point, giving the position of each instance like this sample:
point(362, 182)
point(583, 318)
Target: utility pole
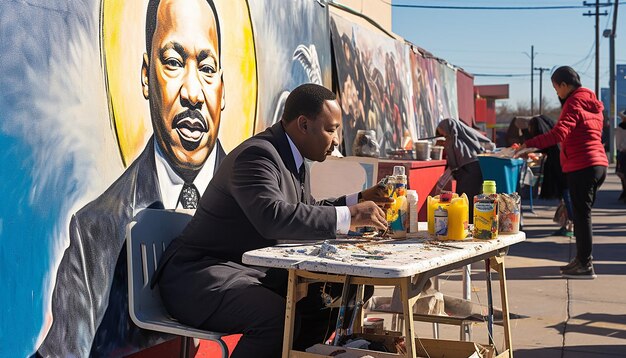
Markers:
point(532, 75)
point(611, 34)
point(541, 69)
point(532, 65)
point(597, 14)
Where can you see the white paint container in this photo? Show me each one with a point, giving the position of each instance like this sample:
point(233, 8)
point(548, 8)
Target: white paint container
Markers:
point(411, 196)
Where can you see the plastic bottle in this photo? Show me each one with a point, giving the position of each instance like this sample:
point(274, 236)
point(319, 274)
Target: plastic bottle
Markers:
point(458, 218)
point(434, 202)
point(411, 196)
point(397, 213)
point(442, 216)
point(486, 212)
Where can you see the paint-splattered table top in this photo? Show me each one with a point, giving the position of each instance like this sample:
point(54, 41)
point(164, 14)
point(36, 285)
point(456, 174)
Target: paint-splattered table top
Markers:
point(381, 258)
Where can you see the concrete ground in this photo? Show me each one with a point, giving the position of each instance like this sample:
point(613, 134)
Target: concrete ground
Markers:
point(561, 317)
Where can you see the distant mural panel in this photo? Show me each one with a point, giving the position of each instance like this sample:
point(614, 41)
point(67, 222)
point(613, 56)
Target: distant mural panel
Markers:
point(434, 92)
point(422, 99)
point(374, 84)
point(448, 91)
point(293, 47)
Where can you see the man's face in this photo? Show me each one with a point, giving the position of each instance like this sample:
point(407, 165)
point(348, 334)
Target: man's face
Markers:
point(322, 132)
point(182, 79)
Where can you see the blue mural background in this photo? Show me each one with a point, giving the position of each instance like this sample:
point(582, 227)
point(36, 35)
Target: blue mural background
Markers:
point(53, 128)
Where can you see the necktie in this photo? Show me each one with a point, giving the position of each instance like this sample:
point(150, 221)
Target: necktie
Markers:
point(189, 196)
point(302, 173)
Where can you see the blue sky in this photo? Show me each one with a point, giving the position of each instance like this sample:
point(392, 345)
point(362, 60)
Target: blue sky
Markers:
point(499, 41)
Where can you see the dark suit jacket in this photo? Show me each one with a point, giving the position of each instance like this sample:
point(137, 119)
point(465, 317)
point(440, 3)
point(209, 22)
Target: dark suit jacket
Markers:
point(253, 200)
point(90, 297)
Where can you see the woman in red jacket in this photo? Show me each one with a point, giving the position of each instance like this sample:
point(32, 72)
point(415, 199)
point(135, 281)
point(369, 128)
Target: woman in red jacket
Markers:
point(579, 130)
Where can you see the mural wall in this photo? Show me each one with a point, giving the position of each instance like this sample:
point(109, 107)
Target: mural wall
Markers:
point(292, 47)
point(372, 71)
point(108, 107)
point(434, 91)
point(389, 86)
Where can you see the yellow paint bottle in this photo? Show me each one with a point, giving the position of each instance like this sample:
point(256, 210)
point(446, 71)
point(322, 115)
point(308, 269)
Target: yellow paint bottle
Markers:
point(433, 203)
point(486, 212)
point(458, 218)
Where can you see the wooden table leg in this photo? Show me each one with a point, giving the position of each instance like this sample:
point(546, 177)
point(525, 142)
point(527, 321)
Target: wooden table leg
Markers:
point(290, 312)
point(407, 312)
point(489, 300)
point(498, 264)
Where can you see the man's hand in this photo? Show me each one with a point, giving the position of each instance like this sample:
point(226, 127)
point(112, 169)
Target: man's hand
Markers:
point(367, 213)
point(377, 194)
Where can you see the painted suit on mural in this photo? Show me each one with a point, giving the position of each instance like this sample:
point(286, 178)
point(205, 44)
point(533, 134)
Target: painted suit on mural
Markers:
point(182, 80)
point(90, 295)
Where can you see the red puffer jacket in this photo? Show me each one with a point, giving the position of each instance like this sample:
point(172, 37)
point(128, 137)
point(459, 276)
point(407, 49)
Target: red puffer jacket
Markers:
point(579, 130)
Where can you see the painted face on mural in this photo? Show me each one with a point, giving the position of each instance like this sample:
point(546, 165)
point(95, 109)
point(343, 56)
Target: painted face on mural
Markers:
point(182, 79)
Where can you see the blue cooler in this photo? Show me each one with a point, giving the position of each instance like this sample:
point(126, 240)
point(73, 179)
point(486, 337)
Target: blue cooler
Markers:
point(504, 171)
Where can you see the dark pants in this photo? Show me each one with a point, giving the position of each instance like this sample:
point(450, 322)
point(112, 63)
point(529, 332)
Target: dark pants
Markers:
point(620, 170)
point(258, 311)
point(469, 180)
point(583, 185)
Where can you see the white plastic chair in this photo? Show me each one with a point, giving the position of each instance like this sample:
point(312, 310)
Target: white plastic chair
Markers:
point(147, 237)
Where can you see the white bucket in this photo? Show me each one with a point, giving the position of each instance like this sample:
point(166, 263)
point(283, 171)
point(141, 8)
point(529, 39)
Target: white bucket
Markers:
point(422, 150)
point(436, 152)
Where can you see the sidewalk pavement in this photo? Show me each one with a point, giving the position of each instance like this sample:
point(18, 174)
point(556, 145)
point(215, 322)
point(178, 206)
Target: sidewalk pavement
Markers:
point(561, 318)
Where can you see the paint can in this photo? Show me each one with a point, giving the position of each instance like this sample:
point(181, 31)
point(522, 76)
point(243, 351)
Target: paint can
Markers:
point(374, 325)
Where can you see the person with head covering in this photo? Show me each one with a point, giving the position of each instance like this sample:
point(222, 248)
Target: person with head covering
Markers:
point(517, 131)
point(462, 145)
point(620, 144)
point(554, 185)
point(584, 161)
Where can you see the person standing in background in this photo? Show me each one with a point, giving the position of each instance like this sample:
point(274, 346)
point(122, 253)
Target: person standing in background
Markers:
point(584, 161)
point(554, 185)
point(620, 144)
point(463, 144)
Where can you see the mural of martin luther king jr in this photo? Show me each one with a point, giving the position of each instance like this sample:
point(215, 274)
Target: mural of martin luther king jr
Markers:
point(182, 79)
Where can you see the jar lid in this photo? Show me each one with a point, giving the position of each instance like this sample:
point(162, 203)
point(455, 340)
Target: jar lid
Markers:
point(445, 196)
point(489, 187)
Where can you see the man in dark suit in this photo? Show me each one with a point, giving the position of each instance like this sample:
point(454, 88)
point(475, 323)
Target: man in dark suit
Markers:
point(259, 195)
point(181, 78)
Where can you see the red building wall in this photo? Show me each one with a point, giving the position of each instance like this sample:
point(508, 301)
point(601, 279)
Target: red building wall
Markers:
point(465, 96)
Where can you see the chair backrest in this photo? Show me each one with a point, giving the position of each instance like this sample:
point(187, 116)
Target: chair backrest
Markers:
point(147, 237)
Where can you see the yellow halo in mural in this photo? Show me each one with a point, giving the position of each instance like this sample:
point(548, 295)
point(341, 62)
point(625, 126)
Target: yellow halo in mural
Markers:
point(122, 45)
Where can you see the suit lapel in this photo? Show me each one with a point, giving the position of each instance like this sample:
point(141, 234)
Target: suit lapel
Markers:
point(284, 150)
point(307, 184)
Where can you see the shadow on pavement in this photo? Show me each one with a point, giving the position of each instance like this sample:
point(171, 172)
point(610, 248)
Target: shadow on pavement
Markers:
point(575, 351)
point(547, 250)
point(547, 352)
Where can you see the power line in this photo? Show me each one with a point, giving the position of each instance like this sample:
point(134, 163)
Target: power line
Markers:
point(501, 74)
point(451, 7)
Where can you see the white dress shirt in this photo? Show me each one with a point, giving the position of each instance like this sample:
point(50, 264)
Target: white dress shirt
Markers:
point(170, 184)
point(343, 212)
